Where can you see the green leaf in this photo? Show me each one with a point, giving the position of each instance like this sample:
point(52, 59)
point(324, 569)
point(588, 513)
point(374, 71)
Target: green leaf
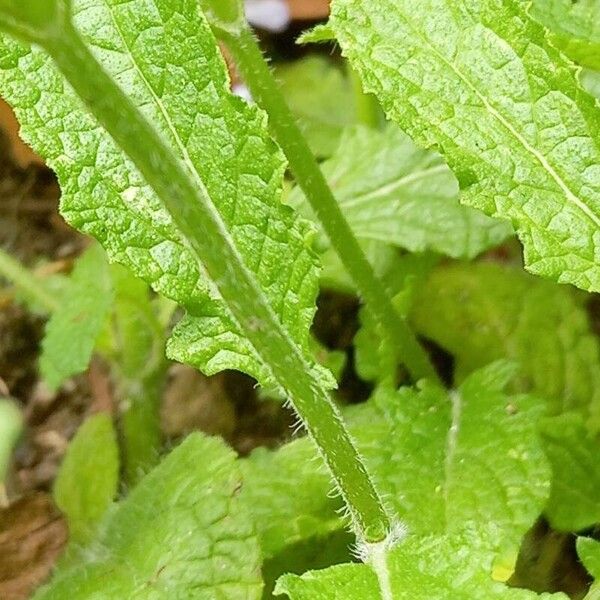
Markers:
point(573, 453)
point(590, 80)
point(477, 80)
point(298, 522)
point(87, 481)
point(181, 533)
point(589, 553)
point(225, 146)
point(393, 192)
point(11, 426)
point(479, 458)
point(484, 312)
point(320, 96)
point(574, 27)
point(75, 326)
point(450, 567)
point(286, 491)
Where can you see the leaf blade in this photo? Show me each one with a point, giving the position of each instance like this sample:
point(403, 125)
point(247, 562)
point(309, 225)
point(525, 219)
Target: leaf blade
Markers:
point(191, 536)
point(523, 147)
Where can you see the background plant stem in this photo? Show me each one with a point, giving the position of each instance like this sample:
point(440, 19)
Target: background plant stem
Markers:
point(259, 79)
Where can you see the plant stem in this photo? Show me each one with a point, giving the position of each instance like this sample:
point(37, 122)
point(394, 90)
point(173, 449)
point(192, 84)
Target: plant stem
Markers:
point(190, 206)
point(23, 278)
point(257, 75)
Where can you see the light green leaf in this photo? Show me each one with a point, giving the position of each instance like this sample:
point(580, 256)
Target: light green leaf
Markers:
point(286, 491)
point(484, 312)
point(87, 481)
point(393, 192)
point(450, 567)
point(591, 81)
point(166, 60)
point(479, 458)
point(11, 426)
point(298, 522)
point(75, 326)
point(181, 533)
point(477, 80)
point(573, 453)
point(574, 27)
point(589, 553)
point(320, 97)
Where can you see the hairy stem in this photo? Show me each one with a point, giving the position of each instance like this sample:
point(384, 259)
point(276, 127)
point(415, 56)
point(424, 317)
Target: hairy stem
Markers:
point(191, 208)
point(26, 281)
point(257, 75)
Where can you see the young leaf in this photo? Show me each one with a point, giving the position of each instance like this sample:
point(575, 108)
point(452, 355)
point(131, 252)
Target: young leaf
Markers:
point(484, 312)
point(573, 452)
point(320, 96)
point(11, 426)
point(393, 192)
point(574, 27)
point(87, 480)
point(181, 533)
point(479, 456)
point(477, 80)
point(74, 327)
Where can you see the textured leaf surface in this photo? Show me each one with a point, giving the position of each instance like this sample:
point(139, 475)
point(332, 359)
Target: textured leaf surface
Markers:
point(166, 60)
point(73, 329)
point(450, 567)
point(573, 453)
point(479, 458)
point(87, 480)
point(181, 533)
point(287, 494)
point(575, 27)
point(477, 80)
point(320, 96)
point(393, 192)
point(483, 312)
